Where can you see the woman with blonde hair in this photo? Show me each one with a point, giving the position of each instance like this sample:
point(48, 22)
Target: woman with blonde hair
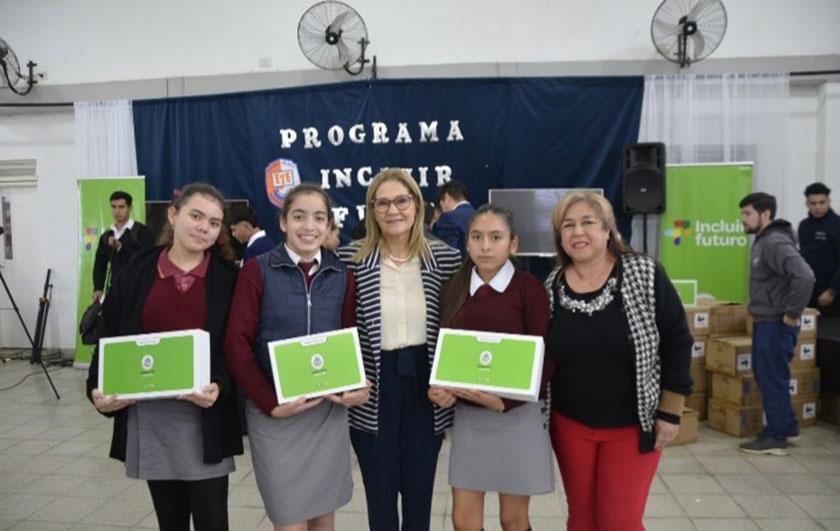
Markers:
point(398, 273)
point(622, 350)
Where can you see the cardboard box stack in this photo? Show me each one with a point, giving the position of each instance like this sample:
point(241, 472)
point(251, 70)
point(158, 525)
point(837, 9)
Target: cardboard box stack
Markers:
point(735, 401)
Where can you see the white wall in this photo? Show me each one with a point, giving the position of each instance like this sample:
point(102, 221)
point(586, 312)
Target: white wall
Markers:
point(44, 228)
point(100, 41)
point(82, 41)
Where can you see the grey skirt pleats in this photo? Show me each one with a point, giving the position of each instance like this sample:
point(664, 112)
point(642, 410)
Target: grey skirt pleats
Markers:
point(301, 463)
point(509, 452)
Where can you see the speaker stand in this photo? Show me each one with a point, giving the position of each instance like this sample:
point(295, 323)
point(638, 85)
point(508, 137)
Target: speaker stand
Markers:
point(644, 233)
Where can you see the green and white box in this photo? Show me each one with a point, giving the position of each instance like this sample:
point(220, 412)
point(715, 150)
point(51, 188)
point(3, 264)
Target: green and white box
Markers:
point(508, 365)
point(161, 365)
point(317, 365)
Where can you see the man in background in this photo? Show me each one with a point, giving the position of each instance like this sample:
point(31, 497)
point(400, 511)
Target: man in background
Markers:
point(819, 243)
point(245, 227)
point(780, 285)
point(117, 245)
point(453, 224)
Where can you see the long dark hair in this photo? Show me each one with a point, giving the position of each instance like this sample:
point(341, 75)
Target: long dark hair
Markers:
point(209, 191)
point(454, 292)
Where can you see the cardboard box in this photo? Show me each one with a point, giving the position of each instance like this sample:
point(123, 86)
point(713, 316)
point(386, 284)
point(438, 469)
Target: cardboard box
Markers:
point(509, 365)
point(734, 420)
point(698, 320)
point(698, 351)
point(729, 355)
point(805, 382)
point(316, 365)
point(828, 408)
point(737, 391)
point(698, 374)
point(147, 366)
point(727, 319)
point(689, 428)
point(804, 354)
point(699, 402)
point(805, 409)
point(808, 326)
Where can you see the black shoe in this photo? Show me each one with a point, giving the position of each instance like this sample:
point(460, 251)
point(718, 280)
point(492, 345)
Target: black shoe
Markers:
point(764, 445)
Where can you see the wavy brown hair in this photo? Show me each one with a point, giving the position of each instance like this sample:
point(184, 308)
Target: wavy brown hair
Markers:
point(455, 291)
point(222, 245)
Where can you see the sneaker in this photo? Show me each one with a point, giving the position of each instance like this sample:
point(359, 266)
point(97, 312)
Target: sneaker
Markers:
point(794, 438)
point(764, 445)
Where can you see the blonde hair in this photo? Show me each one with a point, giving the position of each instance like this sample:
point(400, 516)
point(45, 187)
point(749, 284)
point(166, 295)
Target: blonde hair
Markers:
point(373, 236)
point(603, 209)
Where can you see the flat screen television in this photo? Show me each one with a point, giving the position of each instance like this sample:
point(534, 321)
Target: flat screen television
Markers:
point(532, 208)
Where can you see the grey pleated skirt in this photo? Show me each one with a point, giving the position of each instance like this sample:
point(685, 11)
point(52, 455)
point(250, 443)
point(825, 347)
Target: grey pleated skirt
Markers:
point(165, 441)
point(301, 463)
point(509, 453)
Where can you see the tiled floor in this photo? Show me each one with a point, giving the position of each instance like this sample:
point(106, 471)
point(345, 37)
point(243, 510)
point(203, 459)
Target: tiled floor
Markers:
point(55, 474)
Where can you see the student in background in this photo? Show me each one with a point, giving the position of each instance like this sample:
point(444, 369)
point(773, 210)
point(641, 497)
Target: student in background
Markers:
point(245, 227)
point(456, 211)
point(183, 448)
point(300, 449)
point(118, 245)
point(498, 445)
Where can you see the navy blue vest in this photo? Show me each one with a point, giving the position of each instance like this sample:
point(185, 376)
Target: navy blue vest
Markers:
point(288, 309)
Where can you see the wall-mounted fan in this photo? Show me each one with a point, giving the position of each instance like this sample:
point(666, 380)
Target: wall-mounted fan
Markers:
point(332, 35)
point(687, 31)
point(10, 70)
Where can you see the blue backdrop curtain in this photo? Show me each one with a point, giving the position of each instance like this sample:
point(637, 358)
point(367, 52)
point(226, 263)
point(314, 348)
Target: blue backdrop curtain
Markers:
point(491, 133)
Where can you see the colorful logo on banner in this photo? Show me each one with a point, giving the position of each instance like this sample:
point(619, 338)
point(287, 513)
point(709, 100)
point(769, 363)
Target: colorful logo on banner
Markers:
point(90, 238)
point(281, 175)
point(682, 229)
point(703, 238)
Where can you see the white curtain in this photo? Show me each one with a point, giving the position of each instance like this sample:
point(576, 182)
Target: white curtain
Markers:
point(720, 118)
point(105, 139)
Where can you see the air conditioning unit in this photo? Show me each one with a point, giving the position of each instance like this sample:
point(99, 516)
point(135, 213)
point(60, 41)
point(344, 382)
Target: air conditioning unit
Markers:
point(19, 172)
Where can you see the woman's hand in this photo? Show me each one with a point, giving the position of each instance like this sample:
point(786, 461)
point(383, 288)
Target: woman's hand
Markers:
point(352, 398)
point(108, 404)
point(488, 400)
point(665, 433)
point(204, 398)
point(290, 409)
point(441, 397)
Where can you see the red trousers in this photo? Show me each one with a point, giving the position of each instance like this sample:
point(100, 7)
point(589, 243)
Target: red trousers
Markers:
point(606, 478)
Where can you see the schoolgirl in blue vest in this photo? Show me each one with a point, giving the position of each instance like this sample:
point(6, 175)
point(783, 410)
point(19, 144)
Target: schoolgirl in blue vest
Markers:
point(498, 445)
point(300, 450)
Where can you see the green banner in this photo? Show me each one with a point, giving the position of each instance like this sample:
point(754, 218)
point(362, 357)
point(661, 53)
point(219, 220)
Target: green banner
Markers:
point(702, 235)
point(94, 219)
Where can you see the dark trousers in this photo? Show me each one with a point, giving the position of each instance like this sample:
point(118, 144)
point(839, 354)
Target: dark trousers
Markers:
point(206, 500)
point(772, 350)
point(402, 457)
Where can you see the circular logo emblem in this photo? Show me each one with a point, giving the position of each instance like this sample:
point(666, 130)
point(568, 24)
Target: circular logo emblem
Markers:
point(147, 362)
point(317, 362)
point(485, 357)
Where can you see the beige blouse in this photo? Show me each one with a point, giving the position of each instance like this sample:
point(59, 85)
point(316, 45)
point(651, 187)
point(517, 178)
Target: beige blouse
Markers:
point(403, 302)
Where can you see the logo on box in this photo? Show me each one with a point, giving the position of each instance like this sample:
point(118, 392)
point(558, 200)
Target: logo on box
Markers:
point(485, 358)
point(317, 362)
point(147, 362)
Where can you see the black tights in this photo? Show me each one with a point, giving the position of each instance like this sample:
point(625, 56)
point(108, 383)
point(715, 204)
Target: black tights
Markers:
point(205, 500)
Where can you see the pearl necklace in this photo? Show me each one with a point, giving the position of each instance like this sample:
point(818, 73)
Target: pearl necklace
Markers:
point(399, 260)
